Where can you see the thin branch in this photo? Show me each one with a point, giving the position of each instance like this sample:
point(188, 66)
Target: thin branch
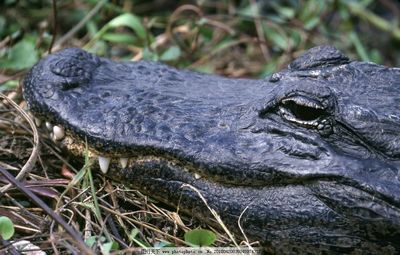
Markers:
point(81, 23)
point(71, 231)
point(54, 25)
point(259, 29)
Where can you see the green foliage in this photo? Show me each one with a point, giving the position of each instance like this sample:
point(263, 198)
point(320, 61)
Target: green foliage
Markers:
point(133, 236)
point(105, 247)
point(200, 237)
point(22, 55)
point(206, 36)
point(170, 54)
point(124, 20)
point(6, 228)
point(128, 20)
point(12, 84)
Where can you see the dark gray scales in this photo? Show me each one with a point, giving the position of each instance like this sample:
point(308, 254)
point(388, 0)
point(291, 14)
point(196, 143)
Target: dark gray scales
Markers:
point(312, 152)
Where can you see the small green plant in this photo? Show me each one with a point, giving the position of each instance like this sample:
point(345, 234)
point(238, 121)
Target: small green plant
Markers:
point(20, 56)
point(200, 237)
point(6, 228)
point(105, 247)
point(124, 20)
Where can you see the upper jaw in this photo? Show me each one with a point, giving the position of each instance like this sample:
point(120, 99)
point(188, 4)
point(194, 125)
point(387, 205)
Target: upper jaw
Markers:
point(371, 177)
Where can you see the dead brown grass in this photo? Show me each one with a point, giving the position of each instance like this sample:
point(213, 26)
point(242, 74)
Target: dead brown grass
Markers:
point(124, 215)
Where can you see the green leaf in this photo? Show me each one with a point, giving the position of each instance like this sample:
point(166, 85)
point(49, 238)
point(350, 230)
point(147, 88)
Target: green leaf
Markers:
point(247, 11)
point(311, 23)
point(11, 84)
point(361, 50)
point(163, 244)
point(109, 246)
point(287, 12)
point(133, 237)
point(202, 21)
point(119, 38)
point(127, 20)
point(276, 38)
point(91, 241)
point(200, 237)
point(269, 68)
point(172, 53)
point(6, 228)
point(207, 68)
point(149, 55)
point(131, 21)
point(375, 56)
point(3, 24)
point(22, 55)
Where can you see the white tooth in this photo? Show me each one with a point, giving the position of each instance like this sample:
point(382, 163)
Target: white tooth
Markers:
point(197, 176)
point(104, 163)
point(123, 162)
point(49, 126)
point(38, 122)
point(58, 132)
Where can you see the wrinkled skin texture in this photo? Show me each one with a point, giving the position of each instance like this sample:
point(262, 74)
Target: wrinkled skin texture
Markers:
point(310, 156)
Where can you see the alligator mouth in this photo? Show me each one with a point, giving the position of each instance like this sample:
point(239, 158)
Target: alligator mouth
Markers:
point(127, 159)
point(116, 165)
point(342, 196)
point(78, 147)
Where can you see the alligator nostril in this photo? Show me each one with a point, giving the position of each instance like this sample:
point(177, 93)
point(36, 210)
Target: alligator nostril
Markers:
point(74, 67)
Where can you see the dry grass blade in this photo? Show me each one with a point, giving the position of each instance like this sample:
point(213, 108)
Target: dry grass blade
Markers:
point(36, 145)
point(213, 212)
point(75, 235)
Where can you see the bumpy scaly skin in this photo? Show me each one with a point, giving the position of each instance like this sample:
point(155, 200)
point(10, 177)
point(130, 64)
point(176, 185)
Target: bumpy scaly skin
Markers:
point(310, 155)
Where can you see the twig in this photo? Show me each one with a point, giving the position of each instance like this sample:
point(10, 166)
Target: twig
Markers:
point(177, 12)
point(54, 25)
point(142, 224)
point(5, 42)
point(11, 249)
point(72, 232)
point(35, 151)
point(81, 23)
point(259, 29)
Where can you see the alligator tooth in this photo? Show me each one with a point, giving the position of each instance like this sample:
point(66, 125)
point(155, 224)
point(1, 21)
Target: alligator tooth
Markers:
point(197, 176)
point(38, 122)
point(104, 163)
point(123, 162)
point(58, 132)
point(49, 126)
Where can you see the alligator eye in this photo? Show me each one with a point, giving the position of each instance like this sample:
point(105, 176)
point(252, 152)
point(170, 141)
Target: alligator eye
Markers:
point(302, 110)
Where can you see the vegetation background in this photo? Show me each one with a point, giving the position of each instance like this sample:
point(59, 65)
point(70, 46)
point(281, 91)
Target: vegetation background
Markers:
point(242, 38)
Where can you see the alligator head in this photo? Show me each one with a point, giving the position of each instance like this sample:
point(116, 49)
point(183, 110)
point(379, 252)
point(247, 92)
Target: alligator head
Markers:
point(306, 158)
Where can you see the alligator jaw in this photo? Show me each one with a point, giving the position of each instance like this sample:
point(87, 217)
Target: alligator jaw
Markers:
point(185, 172)
point(327, 200)
point(293, 210)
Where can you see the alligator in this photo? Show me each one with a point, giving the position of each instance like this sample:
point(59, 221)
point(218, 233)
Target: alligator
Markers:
point(306, 160)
